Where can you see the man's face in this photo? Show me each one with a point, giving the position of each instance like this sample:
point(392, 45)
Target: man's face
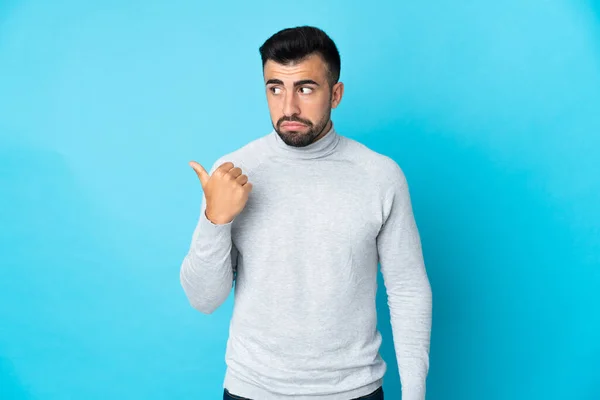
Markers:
point(300, 99)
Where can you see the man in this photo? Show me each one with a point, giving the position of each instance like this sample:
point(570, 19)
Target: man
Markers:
point(300, 219)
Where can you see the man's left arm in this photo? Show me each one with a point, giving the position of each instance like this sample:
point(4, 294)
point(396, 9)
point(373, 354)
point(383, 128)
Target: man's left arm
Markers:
point(407, 286)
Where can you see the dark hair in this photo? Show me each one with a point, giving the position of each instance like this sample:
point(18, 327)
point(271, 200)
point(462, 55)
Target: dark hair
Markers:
point(294, 44)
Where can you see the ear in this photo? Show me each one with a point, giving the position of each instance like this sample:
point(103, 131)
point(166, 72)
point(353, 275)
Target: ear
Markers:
point(336, 94)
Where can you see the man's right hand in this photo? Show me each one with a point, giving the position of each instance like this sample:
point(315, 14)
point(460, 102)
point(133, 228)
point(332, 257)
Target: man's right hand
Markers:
point(226, 191)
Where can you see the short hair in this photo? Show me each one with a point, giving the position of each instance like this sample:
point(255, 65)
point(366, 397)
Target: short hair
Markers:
point(294, 44)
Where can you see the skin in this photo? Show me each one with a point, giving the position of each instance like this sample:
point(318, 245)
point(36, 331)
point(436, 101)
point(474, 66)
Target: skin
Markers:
point(226, 191)
point(300, 92)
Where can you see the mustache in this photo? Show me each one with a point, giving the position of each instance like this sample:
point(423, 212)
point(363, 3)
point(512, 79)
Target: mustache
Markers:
point(294, 119)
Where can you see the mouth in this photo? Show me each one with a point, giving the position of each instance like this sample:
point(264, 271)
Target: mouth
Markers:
point(293, 125)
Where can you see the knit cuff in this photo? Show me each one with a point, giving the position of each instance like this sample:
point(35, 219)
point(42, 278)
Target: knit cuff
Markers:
point(413, 393)
point(211, 239)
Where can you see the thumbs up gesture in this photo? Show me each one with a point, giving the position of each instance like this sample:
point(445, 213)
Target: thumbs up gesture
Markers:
point(226, 191)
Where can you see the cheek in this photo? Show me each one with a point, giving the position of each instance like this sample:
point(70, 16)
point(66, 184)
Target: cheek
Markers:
point(315, 107)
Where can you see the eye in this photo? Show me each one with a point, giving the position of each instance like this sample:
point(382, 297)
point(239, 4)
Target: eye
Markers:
point(275, 90)
point(306, 90)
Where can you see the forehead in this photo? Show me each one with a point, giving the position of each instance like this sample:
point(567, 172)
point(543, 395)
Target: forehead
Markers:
point(312, 67)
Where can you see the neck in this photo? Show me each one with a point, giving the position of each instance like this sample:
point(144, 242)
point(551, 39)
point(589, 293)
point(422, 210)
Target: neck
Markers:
point(325, 130)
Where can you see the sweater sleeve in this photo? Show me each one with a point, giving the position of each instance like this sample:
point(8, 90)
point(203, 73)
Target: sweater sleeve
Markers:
point(207, 271)
point(407, 286)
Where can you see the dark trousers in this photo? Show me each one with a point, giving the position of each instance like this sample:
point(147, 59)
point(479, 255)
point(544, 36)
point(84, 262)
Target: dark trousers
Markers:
point(376, 395)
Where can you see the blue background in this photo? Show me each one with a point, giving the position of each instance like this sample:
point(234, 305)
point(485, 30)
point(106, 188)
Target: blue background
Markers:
point(491, 108)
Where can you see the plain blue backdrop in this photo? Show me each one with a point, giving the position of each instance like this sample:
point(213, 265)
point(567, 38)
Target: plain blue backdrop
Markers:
point(491, 108)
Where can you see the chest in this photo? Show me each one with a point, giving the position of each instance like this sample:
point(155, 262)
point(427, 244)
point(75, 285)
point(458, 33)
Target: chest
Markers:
point(309, 209)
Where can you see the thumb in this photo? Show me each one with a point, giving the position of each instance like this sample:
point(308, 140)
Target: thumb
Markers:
point(201, 172)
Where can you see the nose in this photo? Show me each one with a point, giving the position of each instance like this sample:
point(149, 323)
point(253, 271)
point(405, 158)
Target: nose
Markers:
point(290, 104)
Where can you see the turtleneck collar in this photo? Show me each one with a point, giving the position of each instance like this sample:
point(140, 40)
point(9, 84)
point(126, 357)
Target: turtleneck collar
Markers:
point(321, 148)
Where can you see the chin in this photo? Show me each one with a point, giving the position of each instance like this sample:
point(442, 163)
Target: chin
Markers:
point(294, 133)
point(295, 138)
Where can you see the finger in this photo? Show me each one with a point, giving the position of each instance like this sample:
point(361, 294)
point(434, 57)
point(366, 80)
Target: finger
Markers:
point(235, 172)
point(242, 179)
point(248, 187)
point(225, 167)
point(201, 172)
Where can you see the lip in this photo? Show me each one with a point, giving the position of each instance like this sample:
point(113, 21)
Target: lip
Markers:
point(292, 125)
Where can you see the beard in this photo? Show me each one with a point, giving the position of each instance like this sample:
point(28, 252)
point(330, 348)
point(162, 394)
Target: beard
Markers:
point(301, 138)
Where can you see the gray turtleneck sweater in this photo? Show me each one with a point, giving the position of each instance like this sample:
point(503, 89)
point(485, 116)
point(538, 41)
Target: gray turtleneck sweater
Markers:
point(304, 255)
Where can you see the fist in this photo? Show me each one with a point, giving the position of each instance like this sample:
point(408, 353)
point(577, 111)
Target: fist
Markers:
point(226, 191)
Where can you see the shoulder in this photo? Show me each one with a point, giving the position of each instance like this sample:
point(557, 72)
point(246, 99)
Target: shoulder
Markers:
point(248, 157)
point(380, 168)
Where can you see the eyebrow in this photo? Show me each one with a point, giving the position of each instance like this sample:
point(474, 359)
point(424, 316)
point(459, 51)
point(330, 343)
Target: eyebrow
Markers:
point(297, 83)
